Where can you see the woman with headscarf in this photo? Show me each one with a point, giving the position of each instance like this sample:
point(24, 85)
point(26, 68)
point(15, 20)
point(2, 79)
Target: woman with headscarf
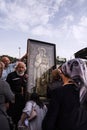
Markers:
point(65, 111)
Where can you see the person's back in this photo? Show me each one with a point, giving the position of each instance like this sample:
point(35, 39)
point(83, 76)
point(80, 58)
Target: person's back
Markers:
point(36, 123)
point(6, 96)
point(54, 84)
point(68, 107)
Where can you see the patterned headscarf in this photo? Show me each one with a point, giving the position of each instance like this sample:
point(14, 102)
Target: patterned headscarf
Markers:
point(76, 69)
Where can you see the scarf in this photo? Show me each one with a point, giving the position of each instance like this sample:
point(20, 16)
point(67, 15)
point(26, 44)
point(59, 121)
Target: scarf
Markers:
point(76, 69)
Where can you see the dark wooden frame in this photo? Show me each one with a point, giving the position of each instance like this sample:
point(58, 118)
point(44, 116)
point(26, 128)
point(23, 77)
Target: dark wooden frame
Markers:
point(49, 49)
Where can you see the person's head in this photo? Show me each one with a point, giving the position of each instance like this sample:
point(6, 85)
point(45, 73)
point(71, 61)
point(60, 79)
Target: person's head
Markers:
point(1, 68)
point(36, 98)
point(76, 70)
point(55, 75)
point(65, 78)
point(20, 68)
point(5, 60)
point(42, 51)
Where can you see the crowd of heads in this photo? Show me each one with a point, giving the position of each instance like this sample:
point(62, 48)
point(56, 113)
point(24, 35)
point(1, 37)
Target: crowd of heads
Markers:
point(76, 69)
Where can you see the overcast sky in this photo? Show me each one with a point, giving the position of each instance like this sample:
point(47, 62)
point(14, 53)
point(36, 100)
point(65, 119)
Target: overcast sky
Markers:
point(63, 22)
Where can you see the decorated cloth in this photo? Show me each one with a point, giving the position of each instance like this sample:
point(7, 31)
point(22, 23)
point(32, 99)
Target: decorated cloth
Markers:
point(76, 69)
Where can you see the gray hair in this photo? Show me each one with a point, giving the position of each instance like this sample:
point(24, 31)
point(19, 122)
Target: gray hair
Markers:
point(20, 62)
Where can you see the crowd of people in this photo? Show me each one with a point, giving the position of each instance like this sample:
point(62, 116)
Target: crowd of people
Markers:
point(66, 109)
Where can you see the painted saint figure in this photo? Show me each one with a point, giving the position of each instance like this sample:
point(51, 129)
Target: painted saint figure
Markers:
point(41, 76)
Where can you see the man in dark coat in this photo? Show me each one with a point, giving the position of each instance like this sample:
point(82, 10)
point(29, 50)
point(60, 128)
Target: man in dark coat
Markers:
point(18, 82)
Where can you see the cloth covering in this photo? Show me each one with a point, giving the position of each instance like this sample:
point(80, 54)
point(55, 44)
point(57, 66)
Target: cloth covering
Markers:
point(76, 69)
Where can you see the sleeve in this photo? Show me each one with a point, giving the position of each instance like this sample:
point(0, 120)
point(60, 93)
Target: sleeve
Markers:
point(44, 110)
point(50, 120)
point(8, 93)
point(12, 66)
point(28, 108)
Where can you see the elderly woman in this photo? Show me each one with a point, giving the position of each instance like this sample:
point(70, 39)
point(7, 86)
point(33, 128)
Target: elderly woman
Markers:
point(6, 95)
point(65, 110)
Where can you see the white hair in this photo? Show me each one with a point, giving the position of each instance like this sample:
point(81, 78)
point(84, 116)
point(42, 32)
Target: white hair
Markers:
point(20, 62)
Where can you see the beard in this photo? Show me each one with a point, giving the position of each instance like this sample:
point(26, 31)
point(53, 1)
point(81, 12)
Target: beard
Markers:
point(20, 73)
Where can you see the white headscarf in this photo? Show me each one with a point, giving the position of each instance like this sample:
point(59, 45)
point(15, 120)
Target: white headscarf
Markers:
point(76, 69)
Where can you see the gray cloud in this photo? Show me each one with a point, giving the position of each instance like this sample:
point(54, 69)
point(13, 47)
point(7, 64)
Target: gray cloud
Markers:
point(27, 13)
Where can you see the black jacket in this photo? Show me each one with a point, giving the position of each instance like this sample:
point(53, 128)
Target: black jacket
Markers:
point(65, 112)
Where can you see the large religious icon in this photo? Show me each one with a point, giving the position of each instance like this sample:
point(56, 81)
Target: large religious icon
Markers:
point(41, 60)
